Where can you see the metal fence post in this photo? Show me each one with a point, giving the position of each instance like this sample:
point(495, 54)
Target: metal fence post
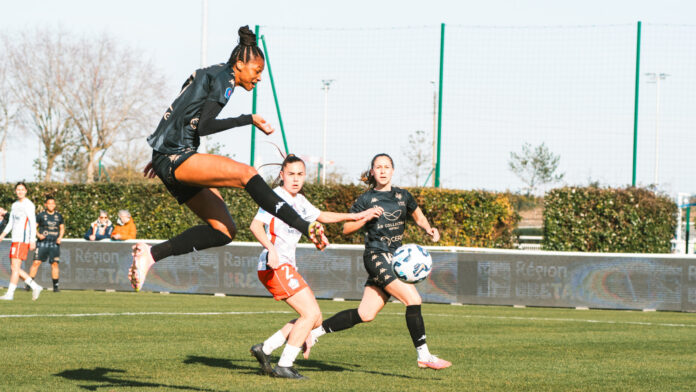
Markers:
point(635, 107)
point(439, 106)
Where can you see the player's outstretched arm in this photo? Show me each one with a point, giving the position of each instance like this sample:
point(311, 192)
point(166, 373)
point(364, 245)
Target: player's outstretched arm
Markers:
point(353, 226)
point(334, 217)
point(423, 223)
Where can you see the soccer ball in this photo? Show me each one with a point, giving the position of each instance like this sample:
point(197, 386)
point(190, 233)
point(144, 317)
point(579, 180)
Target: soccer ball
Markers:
point(412, 263)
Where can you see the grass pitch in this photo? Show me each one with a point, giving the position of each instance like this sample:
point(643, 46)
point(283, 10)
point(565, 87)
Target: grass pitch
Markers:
point(97, 341)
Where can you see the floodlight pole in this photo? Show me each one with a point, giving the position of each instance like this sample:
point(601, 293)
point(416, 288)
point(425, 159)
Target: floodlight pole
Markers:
point(655, 78)
point(434, 134)
point(327, 83)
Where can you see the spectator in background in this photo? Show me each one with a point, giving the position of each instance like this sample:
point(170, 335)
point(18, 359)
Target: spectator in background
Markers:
point(125, 227)
point(100, 229)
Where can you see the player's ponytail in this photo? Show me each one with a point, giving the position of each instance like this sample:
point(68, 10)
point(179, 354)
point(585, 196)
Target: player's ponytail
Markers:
point(367, 176)
point(247, 49)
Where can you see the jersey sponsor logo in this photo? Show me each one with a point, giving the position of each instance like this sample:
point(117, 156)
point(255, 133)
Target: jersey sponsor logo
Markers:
point(392, 216)
point(389, 240)
point(374, 200)
point(228, 92)
point(279, 205)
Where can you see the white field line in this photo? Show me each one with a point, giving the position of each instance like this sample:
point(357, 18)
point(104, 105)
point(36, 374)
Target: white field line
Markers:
point(139, 314)
point(516, 318)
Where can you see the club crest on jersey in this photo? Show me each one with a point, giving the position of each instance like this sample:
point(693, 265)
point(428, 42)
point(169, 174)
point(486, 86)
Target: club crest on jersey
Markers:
point(398, 196)
point(374, 200)
point(228, 92)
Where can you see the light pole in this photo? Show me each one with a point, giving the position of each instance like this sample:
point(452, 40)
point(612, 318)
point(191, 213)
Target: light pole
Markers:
point(434, 130)
point(327, 83)
point(655, 78)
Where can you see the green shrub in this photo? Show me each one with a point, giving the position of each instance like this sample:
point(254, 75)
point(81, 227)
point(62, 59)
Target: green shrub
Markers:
point(464, 218)
point(608, 220)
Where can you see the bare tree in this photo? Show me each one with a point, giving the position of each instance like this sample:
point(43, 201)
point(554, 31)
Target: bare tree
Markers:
point(418, 152)
point(110, 95)
point(36, 61)
point(8, 111)
point(535, 166)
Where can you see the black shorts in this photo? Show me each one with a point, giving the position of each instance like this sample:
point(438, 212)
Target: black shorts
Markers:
point(164, 166)
point(47, 254)
point(379, 269)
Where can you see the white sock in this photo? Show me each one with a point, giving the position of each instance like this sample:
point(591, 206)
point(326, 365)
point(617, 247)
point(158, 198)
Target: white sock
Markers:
point(423, 352)
point(317, 332)
point(288, 356)
point(11, 289)
point(32, 284)
point(276, 340)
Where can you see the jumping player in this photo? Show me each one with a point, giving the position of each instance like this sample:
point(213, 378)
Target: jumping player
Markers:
point(22, 223)
point(50, 229)
point(278, 270)
point(192, 178)
point(382, 237)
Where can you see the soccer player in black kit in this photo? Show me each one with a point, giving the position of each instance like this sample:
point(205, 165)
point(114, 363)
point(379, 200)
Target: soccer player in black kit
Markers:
point(192, 178)
point(382, 237)
point(50, 229)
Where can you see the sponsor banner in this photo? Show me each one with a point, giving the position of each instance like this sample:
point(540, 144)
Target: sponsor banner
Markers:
point(662, 282)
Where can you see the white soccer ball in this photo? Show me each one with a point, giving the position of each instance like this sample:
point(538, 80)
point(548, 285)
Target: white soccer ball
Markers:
point(412, 263)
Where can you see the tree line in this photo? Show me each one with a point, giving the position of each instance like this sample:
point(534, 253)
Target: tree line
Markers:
point(83, 97)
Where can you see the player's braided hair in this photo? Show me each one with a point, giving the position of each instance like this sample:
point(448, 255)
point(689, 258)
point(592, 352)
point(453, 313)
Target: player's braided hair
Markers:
point(247, 48)
point(367, 176)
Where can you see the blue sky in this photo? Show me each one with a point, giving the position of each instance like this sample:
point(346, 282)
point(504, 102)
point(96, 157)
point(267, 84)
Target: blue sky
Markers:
point(168, 32)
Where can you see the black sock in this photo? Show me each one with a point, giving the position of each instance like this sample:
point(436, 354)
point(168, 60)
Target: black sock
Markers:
point(342, 320)
point(55, 283)
point(264, 196)
point(415, 324)
point(196, 238)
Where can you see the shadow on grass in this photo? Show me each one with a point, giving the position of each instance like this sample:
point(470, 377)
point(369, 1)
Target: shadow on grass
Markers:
point(328, 366)
point(308, 363)
point(220, 363)
point(106, 378)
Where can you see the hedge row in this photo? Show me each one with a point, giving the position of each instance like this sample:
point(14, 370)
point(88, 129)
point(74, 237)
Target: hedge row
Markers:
point(592, 219)
point(464, 218)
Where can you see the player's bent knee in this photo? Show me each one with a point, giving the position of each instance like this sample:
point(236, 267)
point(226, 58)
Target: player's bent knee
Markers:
point(247, 173)
point(366, 317)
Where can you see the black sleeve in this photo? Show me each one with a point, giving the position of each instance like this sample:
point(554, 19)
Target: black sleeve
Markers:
point(411, 203)
point(359, 205)
point(209, 124)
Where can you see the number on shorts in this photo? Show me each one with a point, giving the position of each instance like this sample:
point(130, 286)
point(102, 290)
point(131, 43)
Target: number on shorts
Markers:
point(288, 275)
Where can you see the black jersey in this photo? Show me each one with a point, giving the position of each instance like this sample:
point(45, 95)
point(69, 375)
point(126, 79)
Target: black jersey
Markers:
point(48, 225)
point(384, 234)
point(176, 131)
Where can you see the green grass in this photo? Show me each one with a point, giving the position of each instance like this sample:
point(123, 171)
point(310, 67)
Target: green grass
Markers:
point(492, 348)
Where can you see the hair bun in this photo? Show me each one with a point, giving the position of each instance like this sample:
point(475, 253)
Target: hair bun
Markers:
point(246, 36)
